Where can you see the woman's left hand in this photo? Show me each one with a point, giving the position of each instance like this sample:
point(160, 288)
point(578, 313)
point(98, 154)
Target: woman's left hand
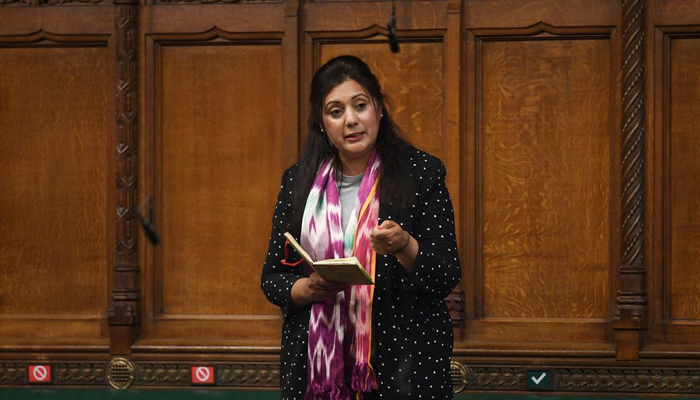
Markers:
point(389, 238)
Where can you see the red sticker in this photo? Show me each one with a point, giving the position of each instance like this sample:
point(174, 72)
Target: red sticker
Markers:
point(40, 374)
point(202, 375)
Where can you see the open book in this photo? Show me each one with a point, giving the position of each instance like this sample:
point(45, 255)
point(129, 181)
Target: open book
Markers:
point(346, 270)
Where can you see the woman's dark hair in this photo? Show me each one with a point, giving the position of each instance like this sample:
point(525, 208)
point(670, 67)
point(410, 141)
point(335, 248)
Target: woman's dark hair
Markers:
point(393, 150)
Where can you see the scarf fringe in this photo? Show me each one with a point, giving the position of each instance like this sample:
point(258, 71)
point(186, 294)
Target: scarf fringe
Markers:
point(363, 379)
point(327, 391)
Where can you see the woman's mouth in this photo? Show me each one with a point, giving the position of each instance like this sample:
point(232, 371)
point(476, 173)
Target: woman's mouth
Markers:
point(354, 136)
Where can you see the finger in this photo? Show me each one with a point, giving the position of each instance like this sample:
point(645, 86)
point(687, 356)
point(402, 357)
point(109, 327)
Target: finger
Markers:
point(380, 235)
point(319, 283)
point(379, 248)
point(375, 232)
point(328, 284)
point(388, 224)
point(376, 244)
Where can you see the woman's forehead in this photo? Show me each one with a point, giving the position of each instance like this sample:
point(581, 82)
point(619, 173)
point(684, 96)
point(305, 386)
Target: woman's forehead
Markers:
point(347, 90)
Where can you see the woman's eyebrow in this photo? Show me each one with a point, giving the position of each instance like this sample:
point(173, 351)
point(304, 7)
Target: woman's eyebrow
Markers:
point(339, 102)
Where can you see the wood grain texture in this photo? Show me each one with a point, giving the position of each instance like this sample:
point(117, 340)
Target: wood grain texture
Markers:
point(521, 13)
point(674, 12)
point(222, 155)
point(125, 306)
point(684, 164)
point(545, 175)
point(631, 304)
point(242, 18)
point(53, 203)
point(413, 79)
point(26, 20)
point(345, 17)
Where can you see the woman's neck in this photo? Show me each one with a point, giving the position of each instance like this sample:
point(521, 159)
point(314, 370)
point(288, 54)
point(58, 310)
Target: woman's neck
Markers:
point(354, 167)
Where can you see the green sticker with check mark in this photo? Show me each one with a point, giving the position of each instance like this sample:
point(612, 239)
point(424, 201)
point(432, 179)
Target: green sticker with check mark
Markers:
point(539, 380)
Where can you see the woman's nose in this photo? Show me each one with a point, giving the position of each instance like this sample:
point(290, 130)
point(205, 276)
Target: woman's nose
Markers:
point(350, 118)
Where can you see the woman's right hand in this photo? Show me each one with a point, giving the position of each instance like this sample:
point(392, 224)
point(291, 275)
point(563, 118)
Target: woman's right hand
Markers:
point(314, 289)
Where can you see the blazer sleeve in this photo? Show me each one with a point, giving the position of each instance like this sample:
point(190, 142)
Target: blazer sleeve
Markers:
point(437, 268)
point(277, 279)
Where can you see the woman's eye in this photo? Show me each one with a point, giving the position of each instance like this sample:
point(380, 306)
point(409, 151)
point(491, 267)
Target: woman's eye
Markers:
point(335, 112)
point(361, 106)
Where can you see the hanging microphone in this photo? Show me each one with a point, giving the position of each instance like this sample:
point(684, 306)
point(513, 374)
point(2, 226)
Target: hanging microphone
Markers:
point(147, 223)
point(391, 27)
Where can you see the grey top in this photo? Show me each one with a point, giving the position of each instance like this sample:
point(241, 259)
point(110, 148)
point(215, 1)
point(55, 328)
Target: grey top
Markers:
point(348, 186)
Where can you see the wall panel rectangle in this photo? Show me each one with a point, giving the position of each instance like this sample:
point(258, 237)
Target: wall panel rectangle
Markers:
point(676, 86)
point(545, 178)
point(220, 149)
point(540, 147)
point(54, 218)
point(684, 194)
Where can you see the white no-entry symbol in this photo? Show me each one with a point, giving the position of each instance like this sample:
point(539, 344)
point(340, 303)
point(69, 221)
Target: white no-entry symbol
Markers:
point(40, 373)
point(203, 374)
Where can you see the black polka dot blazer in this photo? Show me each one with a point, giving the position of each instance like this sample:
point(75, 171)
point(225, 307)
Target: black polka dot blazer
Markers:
point(411, 327)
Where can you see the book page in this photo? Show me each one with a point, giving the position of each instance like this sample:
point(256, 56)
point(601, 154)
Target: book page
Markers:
point(346, 270)
point(298, 248)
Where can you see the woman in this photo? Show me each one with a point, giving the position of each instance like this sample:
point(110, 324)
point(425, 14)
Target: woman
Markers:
point(361, 190)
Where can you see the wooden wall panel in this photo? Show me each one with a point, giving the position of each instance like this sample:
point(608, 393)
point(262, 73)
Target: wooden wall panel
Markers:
point(511, 13)
point(684, 193)
point(220, 151)
point(220, 111)
point(218, 115)
point(674, 84)
point(54, 252)
point(540, 148)
point(545, 169)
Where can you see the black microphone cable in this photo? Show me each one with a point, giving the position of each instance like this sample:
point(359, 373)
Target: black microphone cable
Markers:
point(147, 223)
point(391, 27)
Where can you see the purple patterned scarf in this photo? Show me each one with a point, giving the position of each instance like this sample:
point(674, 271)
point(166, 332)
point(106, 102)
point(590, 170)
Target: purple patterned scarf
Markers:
point(340, 327)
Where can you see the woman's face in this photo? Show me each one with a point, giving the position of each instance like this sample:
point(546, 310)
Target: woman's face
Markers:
point(351, 122)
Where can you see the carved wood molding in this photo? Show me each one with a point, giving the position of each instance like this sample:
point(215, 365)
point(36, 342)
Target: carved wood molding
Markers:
point(213, 1)
point(73, 373)
point(238, 374)
point(479, 377)
point(249, 375)
point(148, 374)
point(338, 1)
point(543, 31)
point(635, 380)
point(79, 373)
point(47, 38)
point(162, 374)
point(50, 2)
point(596, 379)
point(13, 374)
point(496, 378)
point(126, 297)
point(632, 297)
